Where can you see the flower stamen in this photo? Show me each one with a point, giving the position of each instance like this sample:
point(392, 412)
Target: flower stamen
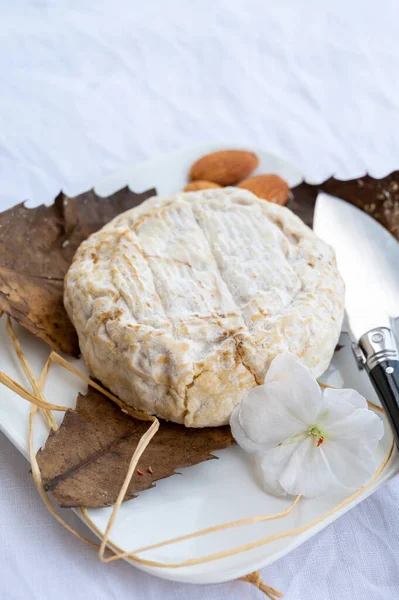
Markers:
point(316, 432)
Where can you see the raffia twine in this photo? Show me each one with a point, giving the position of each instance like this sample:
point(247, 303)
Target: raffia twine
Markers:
point(256, 580)
point(37, 400)
point(29, 373)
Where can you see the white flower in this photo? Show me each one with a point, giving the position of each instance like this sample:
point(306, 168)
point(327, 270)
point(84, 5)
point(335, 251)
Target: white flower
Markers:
point(306, 439)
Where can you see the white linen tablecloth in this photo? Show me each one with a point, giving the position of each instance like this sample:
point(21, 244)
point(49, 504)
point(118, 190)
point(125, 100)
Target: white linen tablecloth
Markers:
point(88, 88)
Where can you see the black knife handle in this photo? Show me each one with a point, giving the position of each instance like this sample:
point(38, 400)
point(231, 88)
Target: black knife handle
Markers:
point(385, 379)
point(381, 359)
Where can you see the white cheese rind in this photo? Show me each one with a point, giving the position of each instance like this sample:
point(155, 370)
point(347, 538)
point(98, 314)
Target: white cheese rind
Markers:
point(181, 303)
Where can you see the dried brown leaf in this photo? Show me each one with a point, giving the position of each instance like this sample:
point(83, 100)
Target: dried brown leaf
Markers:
point(377, 197)
point(36, 248)
point(302, 201)
point(84, 463)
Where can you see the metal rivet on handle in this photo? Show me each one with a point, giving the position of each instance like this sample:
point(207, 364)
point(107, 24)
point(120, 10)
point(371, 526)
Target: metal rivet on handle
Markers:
point(377, 337)
point(389, 370)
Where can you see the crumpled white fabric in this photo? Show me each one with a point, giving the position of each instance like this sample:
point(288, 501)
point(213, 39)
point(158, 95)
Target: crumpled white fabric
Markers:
point(88, 88)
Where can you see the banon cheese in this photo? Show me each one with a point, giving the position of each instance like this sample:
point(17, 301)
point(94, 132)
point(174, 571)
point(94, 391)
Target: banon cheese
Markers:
point(181, 303)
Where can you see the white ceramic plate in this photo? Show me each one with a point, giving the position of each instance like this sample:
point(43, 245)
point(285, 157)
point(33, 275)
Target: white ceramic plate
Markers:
point(210, 493)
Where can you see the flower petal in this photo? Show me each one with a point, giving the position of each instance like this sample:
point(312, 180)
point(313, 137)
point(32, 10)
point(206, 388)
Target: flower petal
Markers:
point(287, 368)
point(352, 435)
point(352, 464)
point(273, 462)
point(362, 426)
point(296, 468)
point(270, 414)
point(239, 434)
point(345, 415)
point(337, 405)
point(307, 471)
point(351, 396)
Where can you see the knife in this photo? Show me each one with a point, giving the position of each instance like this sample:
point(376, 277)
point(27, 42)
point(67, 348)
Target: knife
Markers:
point(368, 260)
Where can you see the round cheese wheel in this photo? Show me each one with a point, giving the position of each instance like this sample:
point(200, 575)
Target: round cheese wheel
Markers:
point(182, 303)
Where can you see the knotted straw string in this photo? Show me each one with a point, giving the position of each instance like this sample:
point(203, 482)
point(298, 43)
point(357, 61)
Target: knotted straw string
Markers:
point(200, 533)
point(137, 414)
point(237, 550)
point(132, 555)
point(36, 471)
point(39, 484)
point(23, 393)
point(40, 401)
point(35, 402)
point(256, 580)
point(37, 477)
point(141, 446)
point(29, 373)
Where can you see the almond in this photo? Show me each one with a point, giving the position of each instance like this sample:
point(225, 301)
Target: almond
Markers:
point(226, 167)
point(269, 187)
point(194, 186)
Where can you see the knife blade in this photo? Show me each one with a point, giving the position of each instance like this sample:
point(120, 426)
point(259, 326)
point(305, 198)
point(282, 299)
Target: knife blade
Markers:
point(368, 260)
